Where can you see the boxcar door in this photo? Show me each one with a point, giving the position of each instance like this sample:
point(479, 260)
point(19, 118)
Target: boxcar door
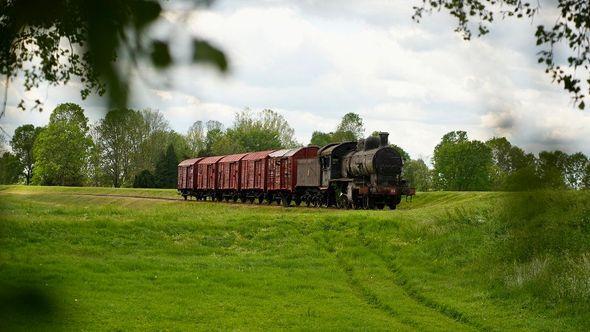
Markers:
point(288, 171)
point(180, 183)
point(282, 173)
point(233, 175)
point(189, 176)
point(256, 175)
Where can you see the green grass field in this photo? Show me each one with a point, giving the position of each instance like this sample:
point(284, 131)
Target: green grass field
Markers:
point(79, 259)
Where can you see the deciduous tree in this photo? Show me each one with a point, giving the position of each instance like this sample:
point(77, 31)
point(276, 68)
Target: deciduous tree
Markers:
point(22, 145)
point(417, 174)
point(586, 178)
point(575, 170)
point(507, 161)
point(264, 130)
point(461, 164)
point(214, 134)
point(10, 168)
point(551, 168)
point(196, 138)
point(321, 139)
point(119, 141)
point(61, 149)
point(350, 128)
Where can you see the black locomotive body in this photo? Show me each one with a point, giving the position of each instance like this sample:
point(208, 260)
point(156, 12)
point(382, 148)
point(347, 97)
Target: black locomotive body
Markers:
point(364, 174)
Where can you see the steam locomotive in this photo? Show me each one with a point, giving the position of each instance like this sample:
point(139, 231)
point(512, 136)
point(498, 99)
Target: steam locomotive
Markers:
point(364, 174)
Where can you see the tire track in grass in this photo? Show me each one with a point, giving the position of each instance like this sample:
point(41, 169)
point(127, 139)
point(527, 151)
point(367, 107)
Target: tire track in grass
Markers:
point(369, 297)
point(373, 300)
point(364, 294)
point(402, 282)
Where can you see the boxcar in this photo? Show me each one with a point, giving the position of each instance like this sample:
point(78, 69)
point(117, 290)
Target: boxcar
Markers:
point(275, 171)
point(282, 172)
point(187, 174)
point(228, 175)
point(207, 177)
point(254, 175)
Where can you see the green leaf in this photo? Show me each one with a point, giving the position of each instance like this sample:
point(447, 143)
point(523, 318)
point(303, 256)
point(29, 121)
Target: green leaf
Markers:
point(160, 54)
point(205, 52)
point(144, 12)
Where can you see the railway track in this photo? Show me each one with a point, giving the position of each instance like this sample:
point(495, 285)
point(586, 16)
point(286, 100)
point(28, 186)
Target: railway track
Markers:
point(180, 199)
point(131, 196)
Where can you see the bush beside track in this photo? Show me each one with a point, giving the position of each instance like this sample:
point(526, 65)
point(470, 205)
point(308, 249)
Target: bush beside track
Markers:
point(446, 261)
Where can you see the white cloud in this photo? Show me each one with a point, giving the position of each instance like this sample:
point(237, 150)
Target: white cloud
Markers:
point(314, 61)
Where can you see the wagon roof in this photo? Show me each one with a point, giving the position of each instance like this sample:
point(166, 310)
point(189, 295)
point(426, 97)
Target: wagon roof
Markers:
point(258, 155)
point(278, 153)
point(210, 160)
point(232, 157)
point(292, 152)
point(189, 162)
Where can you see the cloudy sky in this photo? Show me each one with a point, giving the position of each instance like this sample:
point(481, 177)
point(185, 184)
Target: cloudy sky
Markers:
point(314, 61)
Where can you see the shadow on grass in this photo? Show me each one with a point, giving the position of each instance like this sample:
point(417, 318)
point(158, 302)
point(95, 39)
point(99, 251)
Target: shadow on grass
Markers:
point(543, 244)
point(26, 305)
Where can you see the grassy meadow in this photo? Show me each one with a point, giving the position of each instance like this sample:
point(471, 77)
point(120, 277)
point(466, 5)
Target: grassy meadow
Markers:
point(107, 259)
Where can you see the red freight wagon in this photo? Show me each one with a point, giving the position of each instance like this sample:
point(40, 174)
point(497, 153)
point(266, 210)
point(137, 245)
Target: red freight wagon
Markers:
point(275, 169)
point(187, 174)
point(282, 167)
point(207, 173)
point(228, 172)
point(254, 167)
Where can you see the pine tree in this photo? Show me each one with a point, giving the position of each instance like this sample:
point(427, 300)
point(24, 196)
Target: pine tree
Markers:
point(144, 179)
point(166, 169)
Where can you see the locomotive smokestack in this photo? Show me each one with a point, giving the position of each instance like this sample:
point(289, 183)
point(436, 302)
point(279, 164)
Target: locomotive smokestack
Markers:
point(383, 139)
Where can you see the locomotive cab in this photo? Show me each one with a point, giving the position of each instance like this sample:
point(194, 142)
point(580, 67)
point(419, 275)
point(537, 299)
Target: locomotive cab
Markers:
point(331, 157)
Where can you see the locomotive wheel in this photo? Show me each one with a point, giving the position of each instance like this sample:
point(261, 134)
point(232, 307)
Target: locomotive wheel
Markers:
point(380, 206)
point(394, 202)
point(251, 200)
point(260, 199)
point(234, 198)
point(297, 200)
point(322, 202)
point(358, 204)
point(184, 196)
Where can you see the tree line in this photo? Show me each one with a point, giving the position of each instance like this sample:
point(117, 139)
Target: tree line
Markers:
point(496, 164)
point(137, 148)
point(129, 148)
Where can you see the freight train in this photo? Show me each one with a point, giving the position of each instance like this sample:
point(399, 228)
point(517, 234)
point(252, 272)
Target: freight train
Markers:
point(366, 174)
